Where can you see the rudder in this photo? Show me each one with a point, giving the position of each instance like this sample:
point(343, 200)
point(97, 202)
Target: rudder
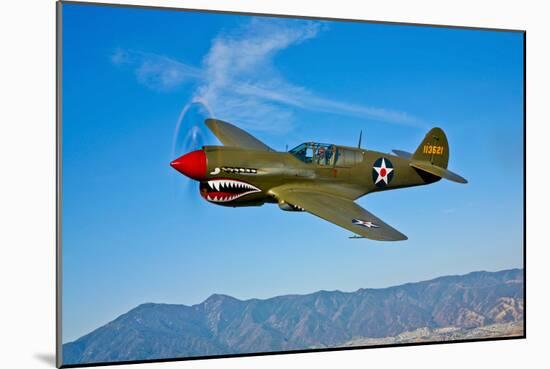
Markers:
point(434, 149)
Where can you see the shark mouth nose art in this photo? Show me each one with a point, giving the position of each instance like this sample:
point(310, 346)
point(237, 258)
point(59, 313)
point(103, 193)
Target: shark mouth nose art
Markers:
point(225, 190)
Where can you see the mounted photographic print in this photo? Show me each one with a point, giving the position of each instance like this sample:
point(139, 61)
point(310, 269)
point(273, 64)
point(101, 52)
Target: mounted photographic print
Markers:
point(238, 184)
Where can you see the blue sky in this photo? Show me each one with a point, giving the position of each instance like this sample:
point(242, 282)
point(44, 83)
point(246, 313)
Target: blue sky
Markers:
point(135, 231)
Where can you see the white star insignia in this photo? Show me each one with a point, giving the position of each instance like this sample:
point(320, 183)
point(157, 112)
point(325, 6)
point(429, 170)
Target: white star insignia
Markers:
point(364, 223)
point(383, 172)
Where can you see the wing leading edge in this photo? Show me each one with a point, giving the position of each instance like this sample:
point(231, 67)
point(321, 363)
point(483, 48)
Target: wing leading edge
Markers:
point(230, 135)
point(340, 211)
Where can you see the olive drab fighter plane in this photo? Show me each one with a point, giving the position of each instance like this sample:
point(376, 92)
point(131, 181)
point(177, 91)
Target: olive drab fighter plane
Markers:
point(321, 179)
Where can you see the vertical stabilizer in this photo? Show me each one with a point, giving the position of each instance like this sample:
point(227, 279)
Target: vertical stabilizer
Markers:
point(434, 149)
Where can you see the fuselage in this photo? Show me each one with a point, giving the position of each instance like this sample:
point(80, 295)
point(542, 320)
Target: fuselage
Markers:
point(232, 176)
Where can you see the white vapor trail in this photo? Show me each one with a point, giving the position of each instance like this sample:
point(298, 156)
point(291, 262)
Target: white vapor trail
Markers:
point(238, 81)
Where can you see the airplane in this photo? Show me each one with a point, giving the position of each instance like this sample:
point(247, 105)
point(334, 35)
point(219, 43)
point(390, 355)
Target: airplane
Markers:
point(321, 179)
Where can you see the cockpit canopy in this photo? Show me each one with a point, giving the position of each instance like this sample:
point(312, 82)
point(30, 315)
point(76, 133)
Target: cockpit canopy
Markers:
point(326, 154)
point(312, 152)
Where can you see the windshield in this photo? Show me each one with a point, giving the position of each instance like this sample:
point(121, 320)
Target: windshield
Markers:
point(312, 152)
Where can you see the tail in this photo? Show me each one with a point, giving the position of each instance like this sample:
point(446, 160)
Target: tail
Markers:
point(432, 156)
point(434, 149)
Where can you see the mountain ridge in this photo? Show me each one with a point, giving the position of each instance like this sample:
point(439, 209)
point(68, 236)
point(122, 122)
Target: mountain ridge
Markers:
point(222, 324)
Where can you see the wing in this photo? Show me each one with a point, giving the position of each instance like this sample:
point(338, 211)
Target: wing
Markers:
point(230, 135)
point(340, 211)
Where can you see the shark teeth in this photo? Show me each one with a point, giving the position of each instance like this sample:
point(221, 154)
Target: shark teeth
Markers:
point(221, 184)
point(227, 190)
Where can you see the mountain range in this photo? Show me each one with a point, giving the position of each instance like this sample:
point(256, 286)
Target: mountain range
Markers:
point(223, 325)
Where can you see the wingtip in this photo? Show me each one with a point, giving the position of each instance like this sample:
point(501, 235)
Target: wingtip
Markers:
point(210, 121)
point(402, 237)
point(399, 237)
point(459, 179)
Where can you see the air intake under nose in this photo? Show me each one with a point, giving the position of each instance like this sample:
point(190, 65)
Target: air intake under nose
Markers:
point(192, 164)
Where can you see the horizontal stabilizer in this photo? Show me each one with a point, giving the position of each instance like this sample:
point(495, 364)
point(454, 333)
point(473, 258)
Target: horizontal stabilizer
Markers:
point(403, 154)
point(437, 171)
